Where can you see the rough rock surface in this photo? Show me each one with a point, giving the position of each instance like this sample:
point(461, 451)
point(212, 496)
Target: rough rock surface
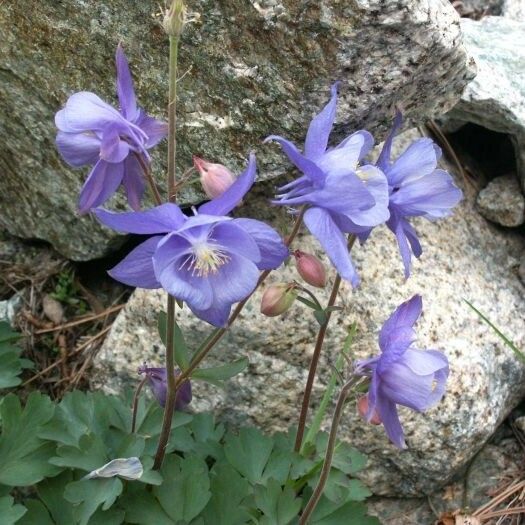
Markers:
point(502, 201)
point(250, 68)
point(514, 9)
point(495, 99)
point(461, 259)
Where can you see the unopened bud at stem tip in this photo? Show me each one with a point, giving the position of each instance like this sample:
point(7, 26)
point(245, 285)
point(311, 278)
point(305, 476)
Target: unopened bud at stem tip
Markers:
point(277, 299)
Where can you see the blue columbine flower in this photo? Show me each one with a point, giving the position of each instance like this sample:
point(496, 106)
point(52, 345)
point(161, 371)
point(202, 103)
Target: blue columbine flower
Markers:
point(92, 132)
point(210, 261)
point(403, 375)
point(417, 188)
point(342, 197)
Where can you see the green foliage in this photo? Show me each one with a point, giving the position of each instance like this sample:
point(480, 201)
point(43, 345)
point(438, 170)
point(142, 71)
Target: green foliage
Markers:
point(210, 474)
point(66, 291)
point(11, 362)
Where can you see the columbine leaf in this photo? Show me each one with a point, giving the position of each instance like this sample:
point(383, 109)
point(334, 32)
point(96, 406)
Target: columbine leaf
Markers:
point(51, 493)
point(89, 455)
point(320, 317)
point(73, 419)
point(329, 513)
point(12, 364)
point(229, 490)
point(347, 458)
point(280, 506)
point(248, 452)
point(10, 512)
point(107, 517)
point(185, 489)
point(221, 373)
point(89, 494)
point(180, 352)
point(142, 507)
point(23, 455)
point(36, 514)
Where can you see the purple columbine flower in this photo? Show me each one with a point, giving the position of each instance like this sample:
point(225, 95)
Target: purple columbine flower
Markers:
point(403, 375)
point(417, 188)
point(209, 260)
point(92, 132)
point(158, 382)
point(342, 197)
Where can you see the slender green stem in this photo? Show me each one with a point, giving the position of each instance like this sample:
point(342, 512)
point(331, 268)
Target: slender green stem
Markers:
point(136, 403)
point(327, 397)
point(170, 332)
point(330, 447)
point(172, 119)
point(315, 359)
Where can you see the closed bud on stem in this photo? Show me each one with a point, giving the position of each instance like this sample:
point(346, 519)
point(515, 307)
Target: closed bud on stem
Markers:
point(362, 407)
point(174, 18)
point(310, 268)
point(215, 178)
point(278, 298)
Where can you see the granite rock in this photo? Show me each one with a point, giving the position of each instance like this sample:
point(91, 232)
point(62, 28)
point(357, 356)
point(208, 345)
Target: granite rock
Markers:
point(495, 99)
point(502, 201)
point(514, 9)
point(461, 260)
point(250, 68)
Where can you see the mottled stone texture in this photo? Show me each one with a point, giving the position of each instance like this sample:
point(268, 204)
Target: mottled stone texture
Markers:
point(495, 99)
point(250, 68)
point(502, 201)
point(464, 258)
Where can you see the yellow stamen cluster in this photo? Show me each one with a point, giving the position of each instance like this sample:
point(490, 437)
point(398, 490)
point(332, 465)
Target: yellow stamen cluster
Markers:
point(206, 259)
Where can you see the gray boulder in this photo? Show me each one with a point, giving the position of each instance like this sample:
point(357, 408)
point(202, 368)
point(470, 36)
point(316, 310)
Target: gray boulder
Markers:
point(502, 201)
point(251, 68)
point(461, 260)
point(495, 99)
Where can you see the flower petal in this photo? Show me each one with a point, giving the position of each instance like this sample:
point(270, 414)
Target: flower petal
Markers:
point(384, 162)
point(397, 225)
point(125, 91)
point(412, 239)
point(271, 247)
point(173, 268)
point(155, 129)
point(234, 281)
point(133, 182)
point(433, 196)
point(78, 149)
point(404, 316)
point(85, 111)
point(112, 148)
point(136, 269)
point(345, 157)
point(320, 128)
point(424, 362)
point(388, 413)
point(161, 219)
point(233, 195)
point(101, 184)
point(404, 387)
point(325, 230)
point(234, 239)
point(418, 160)
point(216, 315)
point(306, 166)
point(377, 185)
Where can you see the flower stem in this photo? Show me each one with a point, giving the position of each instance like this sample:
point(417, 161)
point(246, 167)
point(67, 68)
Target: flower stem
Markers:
point(170, 332)
point(330, 447)
point(136, 403)
point(315, 359)
point(146, 168)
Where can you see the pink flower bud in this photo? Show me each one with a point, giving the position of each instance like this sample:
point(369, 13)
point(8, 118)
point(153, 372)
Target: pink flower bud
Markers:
point(215, 178)
point(278, 298)
point(310, 268)
point(362, 407)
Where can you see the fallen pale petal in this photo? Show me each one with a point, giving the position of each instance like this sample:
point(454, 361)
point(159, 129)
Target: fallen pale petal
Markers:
point(126, 468)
